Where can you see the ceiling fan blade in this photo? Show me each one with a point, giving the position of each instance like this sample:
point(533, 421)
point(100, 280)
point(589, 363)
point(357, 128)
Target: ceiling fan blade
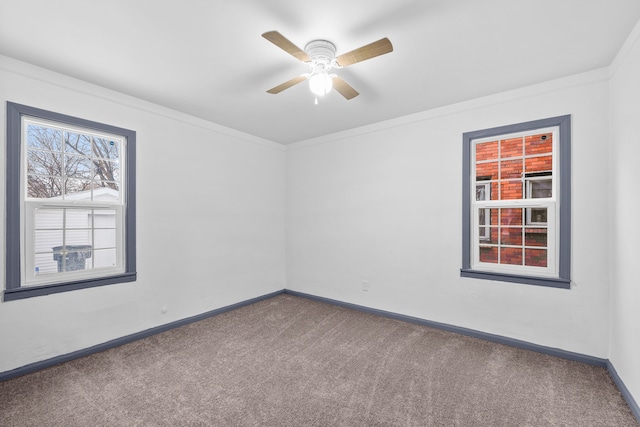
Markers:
point(369, 51)
point(287, 85)
point(344, 89)
point(283, 43)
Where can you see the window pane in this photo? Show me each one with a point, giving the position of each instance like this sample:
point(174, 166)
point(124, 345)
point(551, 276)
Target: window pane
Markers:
point(539, 144)
point(486, 217)
point(511, 190)
point(104, 258)
point(44, 187)
point(512, 256)
point(495, 213)
point(488, 234)
point(489, 254)
point(75, 260)
point(77, 143)
point(105, 238)
point(104, 218)
point(47, 240)
point(77, 237)
point(537, 215)
point(486, 151)
point(535, 237)
point(78, 167)
point(44, 163)
point(492, 237)
point(44, 138)
point(46, 263)
point(511, 169)
point(539, 164)
point(511, 236)
point(48, 219)
point(106, 191)
point(78, 189)
point(540, 188)
point(482, 192)
point(106, 149)
point(76, 251)
point(535, 257)
point(483, 221)
point(511, 147)
point(78, 218)
point(485, 171)
point(106, 170)
point(511, 216)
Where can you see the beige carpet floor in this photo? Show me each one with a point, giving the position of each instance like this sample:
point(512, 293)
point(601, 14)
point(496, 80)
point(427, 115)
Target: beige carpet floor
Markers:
point(290, 361)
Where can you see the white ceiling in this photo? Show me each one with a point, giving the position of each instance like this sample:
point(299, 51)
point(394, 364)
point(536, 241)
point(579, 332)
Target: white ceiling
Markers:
point(207, 57)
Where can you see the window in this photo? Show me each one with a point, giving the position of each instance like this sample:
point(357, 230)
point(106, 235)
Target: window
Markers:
point(516, 227)
point(70, 203)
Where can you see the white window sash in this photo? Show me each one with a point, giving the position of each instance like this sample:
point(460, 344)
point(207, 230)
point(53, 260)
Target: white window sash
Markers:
point(29, 258)
point(29, 206)
point(27, 120)
point(550, 203)
point(552, 243)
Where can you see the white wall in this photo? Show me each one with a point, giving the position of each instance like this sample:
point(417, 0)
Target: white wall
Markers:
point(624, 351)
point(210, 223)
point(383, 204)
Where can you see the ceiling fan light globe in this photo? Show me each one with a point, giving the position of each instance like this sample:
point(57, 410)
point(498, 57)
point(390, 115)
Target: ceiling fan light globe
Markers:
point(320, 83)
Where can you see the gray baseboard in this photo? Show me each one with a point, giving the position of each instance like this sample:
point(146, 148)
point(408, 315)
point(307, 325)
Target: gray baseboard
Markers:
point(633, 405)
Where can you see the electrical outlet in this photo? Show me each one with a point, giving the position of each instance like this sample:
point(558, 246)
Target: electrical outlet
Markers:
point(365, 285)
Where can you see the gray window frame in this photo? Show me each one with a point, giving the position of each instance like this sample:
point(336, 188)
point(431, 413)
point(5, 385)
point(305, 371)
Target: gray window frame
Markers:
point(564, 200)
point(13, 280)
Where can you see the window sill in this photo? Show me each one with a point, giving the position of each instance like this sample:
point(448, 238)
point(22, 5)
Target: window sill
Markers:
point(34, 291)
point(552, 282)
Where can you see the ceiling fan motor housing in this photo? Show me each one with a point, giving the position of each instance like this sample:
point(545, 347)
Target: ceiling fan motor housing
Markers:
point(321, 52)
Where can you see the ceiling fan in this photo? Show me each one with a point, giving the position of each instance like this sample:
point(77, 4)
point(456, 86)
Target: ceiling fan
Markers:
point(321, 57)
